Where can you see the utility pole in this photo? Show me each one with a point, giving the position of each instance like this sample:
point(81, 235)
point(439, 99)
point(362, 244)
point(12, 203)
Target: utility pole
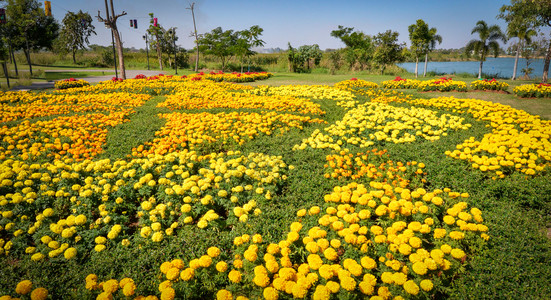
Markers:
point(111, 22)
point(146, 49)
point(191, 6)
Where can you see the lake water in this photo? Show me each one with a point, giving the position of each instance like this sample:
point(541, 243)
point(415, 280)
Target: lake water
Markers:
point(501, 66)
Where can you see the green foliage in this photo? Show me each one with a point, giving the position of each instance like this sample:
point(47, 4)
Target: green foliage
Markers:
point(388, 51)
point(75, 32)
point(487, 42)
point(359, 46)
point(302, 56)
point(219, 43)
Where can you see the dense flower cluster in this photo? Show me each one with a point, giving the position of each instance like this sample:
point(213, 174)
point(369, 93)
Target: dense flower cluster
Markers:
point(233, 77)
point(206, 94)
point(378, 123)
point(540, 90)
point(184, 130)
point(70, 83)
point(489, 85)
point(518, 141)
point(374, 165)
point(77, 136)
point(401, 83)
point(355, 84)
point(34, 105)
point(382, 240)
point(101, 200)
point(307, 91)
point(443, 84)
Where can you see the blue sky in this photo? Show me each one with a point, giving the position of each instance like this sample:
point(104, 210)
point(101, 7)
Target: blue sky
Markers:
point(300, 22)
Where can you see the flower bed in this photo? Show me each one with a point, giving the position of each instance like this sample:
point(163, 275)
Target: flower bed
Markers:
point(401, 83)
point(444, 84)
point(541, 90)
point(70, 83)
point(489, 85)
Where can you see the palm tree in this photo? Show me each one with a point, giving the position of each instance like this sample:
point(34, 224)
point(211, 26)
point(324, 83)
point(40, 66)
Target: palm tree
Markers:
point(524, 34)
point(432, 39)
point(487, 42)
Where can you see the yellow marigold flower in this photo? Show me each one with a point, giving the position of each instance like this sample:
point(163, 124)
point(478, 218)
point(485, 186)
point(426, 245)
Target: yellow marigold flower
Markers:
point(457, 253)
point(326, 271)
point(333, 286)
point(314, 261)
point(99, 248)
point(110, 286)
point(224, 295)
point(257, 239)
point(426, 285)
point(23, 287)
point(301, 213)
point(205, 261)
point(457, 235)
point(399, 278)
point(70, 253)
point(270, 293)
point(213, 252)
point(419, 268)
point(221, 266)
point(411, 287)
point(173, 274)
point(234, 276)
point(168, 294)
point(187, 274)
point(157, 236)
point(129, 289)
point(296, 226)
point(449, 220)
point(368, 262)
point(39, 294)
point(330, 253)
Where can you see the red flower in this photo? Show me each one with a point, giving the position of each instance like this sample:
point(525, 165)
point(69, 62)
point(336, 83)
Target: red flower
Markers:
point(353, 79)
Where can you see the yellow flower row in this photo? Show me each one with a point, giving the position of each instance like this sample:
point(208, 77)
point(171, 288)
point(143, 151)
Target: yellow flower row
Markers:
point(78, 136)
point(442, 85)
point(492, 85)
point(355, 84)
point(70, 83)
point(199, 97)
point(33, 105)
point(377, 123)
point(401, 83)
point(184, 130)
point(541, 90)
point(307, 91)
point(518, 141)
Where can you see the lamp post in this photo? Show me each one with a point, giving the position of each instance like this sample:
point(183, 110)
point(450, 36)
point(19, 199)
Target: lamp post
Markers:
point(174, 40)
point(146, 49)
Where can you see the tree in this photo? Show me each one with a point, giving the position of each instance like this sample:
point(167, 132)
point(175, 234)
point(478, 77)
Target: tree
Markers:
point(489, 35)
point(29, 27)
point(157, 31)
point(246, 40)
point(387, 49)
point(419, 36)
point(111, 22)
point(359, 46)
point(302, 56)
point(524, 35)
point(219, 43)
point(433, 38)
point(536, 13)
point(76, 29)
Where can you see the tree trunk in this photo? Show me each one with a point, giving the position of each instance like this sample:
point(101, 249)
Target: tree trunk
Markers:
point(28, 57)
point(416, 65)
point(74, 58)
point(546, 64)
point(480, 69)
point(241, 64)
point(516, 61)
point(159, 54)
point(118, 43)
point(5, 67)
point(14, 61)
point(426, 61)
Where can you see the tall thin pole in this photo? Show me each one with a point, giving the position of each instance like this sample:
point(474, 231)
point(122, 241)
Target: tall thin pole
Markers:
point(196, 37)
point(146, 50)
point(112, 40)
